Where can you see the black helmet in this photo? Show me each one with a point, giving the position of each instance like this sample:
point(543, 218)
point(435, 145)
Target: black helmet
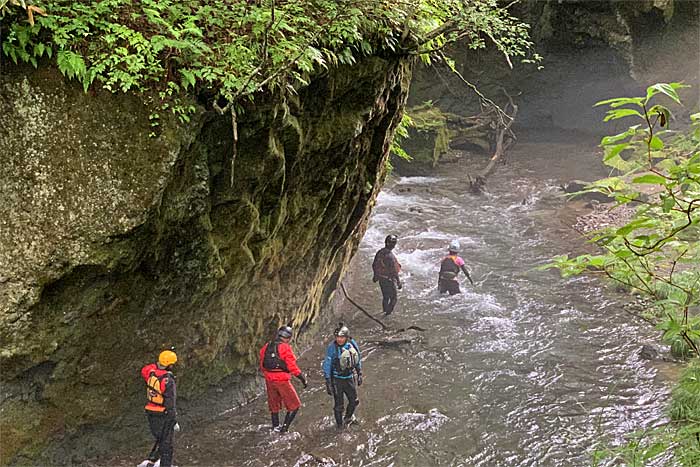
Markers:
point(342, 331)
point(284, 331)
point(390, 241)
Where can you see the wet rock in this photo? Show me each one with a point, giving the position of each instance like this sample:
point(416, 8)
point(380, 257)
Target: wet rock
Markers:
point(603, 215)
point(648, 352)
point(397, 340)
point(575, 186)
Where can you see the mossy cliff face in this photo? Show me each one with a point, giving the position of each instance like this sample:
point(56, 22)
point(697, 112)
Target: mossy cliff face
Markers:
point(432, 134)
point(115, 245)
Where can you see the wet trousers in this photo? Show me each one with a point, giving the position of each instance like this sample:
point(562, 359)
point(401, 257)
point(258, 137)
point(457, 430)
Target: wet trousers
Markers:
point(162, 428)
point(450, 286)
point(344, 388)
point(389, 295)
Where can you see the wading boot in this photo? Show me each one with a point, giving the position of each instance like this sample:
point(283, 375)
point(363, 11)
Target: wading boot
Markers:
point(275, 421)
point(288, 421)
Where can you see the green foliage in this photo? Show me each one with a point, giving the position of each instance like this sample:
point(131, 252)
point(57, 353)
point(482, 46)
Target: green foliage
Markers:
point(233, 48)
point(656, 253)
point(670, 444)
point(685, 399)
point(401, 134)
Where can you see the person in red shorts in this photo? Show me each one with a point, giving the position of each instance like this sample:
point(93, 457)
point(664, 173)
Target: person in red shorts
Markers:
point(278, 364)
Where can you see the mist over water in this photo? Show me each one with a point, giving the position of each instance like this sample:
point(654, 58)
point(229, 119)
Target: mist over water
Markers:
point(524, 369)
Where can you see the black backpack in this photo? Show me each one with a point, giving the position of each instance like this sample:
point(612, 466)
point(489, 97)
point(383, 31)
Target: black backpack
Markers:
point(271, 359)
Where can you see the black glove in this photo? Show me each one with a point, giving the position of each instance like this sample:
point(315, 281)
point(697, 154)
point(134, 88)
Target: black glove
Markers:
point(359, 378)
point(302, 378)
point(399, 285)
point(329, 388)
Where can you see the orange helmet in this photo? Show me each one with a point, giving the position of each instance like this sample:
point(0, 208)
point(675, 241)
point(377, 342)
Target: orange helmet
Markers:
point(167, 358)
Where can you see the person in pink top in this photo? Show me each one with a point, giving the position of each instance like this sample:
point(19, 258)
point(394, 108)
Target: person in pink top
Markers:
point(449, 270)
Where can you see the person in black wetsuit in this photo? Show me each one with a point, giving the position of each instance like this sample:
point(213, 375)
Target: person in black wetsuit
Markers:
point(386, 270)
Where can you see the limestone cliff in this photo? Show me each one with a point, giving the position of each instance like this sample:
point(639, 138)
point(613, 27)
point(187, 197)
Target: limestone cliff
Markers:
point(116, 244)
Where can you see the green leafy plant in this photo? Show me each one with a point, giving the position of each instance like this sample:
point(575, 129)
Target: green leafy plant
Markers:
point(401, 134)
point(230, 50)
point(656, 253)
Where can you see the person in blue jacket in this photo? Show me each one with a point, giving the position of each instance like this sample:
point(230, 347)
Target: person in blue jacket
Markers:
point(342, 362)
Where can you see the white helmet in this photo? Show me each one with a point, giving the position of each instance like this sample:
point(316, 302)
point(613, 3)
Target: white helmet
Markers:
point(342, 331)
point(454, 246)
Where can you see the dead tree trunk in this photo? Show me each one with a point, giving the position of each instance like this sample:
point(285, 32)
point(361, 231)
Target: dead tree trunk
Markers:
point(504, 138)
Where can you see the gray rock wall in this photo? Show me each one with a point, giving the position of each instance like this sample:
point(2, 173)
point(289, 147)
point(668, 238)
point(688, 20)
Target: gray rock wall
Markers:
point(115, 245)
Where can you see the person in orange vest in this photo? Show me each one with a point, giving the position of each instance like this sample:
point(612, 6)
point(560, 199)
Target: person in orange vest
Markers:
point(161, 406)
point(449, 270)
point(386, 270)
point(278, 364)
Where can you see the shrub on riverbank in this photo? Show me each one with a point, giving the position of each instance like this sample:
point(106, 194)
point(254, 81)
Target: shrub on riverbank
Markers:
point(685, 400)
point(656, 252)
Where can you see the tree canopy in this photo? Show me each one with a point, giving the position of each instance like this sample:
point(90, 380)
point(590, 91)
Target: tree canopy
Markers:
point(235, 48)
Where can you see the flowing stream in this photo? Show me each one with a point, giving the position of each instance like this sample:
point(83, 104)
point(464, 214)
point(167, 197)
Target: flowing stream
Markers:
point(524, 369)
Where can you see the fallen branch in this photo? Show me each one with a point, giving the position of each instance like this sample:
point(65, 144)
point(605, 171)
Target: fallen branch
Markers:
point(384, 326)
point(234, 128)
point(345, 292)
point(485, 101)
point(476, 185)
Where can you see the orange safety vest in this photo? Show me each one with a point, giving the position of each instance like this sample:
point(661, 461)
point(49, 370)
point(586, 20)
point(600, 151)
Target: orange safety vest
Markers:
point(154, 392)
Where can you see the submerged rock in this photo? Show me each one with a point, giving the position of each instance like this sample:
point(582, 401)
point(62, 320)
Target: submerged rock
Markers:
point(576, 186)
point(648, 352)
point(399, 338)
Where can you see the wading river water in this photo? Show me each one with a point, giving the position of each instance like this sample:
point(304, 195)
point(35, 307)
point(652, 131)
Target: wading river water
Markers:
point(524, 369)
